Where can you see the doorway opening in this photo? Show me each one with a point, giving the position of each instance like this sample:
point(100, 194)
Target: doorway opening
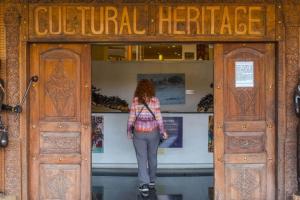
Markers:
point(183, 78)
point(60, 131)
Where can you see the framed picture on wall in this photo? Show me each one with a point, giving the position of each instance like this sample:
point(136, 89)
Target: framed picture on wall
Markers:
point(211, 133)
point(189, 55)
point(173, 126)
point(97, 133)
point(169, 88)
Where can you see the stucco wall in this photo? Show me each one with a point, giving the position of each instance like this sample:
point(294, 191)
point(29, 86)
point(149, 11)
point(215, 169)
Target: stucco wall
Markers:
point(120, 78)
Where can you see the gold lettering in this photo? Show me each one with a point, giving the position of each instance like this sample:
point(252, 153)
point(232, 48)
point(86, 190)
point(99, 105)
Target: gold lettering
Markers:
point(202, 19)
point(167, 19)
point(178, 20)
point(37, 24)
point(212, 10)
point(101, 20)
point(64, 14)
point(194, 19)
point(135, 30)
point(240, 28)
point(83, 13)
point(226, 22)
point(112, 19)
point(51, 31)
point(253, 20)
point(125, 21)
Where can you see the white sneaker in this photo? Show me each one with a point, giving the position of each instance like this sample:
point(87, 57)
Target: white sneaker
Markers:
point(144, 188)
point(152, 185)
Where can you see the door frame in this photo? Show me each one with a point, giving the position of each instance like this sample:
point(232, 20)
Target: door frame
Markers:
point(279, 69)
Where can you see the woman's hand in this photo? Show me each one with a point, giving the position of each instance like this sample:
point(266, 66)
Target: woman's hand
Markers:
point(129, 136)
point(165, 135)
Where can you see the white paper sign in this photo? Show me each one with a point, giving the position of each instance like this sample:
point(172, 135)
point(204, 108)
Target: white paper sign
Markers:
point(244, 74)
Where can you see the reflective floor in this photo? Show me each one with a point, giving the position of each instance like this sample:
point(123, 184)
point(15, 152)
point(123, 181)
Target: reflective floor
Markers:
point(167, 188)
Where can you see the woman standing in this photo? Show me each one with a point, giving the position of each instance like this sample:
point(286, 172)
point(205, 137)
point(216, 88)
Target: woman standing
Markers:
point(145, 125)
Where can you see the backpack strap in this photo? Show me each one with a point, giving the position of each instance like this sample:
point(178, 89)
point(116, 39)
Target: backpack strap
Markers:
point(138, 115)
point(146, 105)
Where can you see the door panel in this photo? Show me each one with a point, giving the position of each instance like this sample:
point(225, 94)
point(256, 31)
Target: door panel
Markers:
point(244, 121)
point(60, 122)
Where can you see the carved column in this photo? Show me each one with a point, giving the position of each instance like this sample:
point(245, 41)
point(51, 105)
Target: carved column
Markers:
point(12, 152)
point(292, 60)
point(291, 9)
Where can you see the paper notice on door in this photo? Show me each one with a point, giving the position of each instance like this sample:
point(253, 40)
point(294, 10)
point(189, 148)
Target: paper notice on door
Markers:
point(244, 74)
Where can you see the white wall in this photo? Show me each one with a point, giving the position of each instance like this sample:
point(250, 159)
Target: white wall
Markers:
point(119, 78)
point(119, 151)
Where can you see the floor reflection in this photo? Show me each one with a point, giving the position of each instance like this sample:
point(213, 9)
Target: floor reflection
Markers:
point(152, 195)
point(167, 188)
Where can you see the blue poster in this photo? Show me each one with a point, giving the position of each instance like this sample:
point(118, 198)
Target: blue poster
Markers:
point(169, 88)
point(173, 126)
point(97, 134)
point(211, 133)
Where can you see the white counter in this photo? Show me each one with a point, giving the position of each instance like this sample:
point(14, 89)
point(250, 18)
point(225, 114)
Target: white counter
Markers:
point(119, 151)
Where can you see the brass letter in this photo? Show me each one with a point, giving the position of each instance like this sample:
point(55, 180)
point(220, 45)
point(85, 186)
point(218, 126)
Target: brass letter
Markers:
point(83, 9)
point(212, 17)
point(125, 21)
point(36, 19)
point(101, 20)
point(252, 20)
point(240, 28)
point(112, 18)
point(203, 19)
point(65, 11)
point(226, 22)
point(168, 19)
point(194, 19)
point(176, 20)
point(139, 32)
point(51, 22)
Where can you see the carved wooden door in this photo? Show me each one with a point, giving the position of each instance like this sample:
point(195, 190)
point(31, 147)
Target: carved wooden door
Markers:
point(60, 160)
point(244, 122)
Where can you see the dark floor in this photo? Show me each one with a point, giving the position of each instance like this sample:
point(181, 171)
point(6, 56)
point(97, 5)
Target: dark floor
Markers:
point(176, 187)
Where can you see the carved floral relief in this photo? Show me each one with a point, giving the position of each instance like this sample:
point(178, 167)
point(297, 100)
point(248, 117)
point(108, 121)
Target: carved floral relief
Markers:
point(245, 184)
point(59, 88)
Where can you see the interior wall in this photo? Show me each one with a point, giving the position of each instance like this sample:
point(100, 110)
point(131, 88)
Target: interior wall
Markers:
point(119, 78)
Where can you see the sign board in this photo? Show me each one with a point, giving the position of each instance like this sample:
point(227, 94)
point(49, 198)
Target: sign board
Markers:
point(98, 20)
point(244, 74)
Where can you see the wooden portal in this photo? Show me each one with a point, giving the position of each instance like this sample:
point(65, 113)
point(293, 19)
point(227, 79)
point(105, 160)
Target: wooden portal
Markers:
point(17, 25)
point(59, 159)
point(244, 121)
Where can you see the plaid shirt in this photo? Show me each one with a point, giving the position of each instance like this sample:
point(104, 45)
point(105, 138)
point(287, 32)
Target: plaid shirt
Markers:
point(145, 121)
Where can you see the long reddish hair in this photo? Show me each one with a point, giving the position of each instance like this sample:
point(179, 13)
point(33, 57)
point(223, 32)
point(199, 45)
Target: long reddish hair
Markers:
point(144, 90)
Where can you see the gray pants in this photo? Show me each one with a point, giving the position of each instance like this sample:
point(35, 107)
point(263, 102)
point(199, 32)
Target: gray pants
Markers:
point(146, 145)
